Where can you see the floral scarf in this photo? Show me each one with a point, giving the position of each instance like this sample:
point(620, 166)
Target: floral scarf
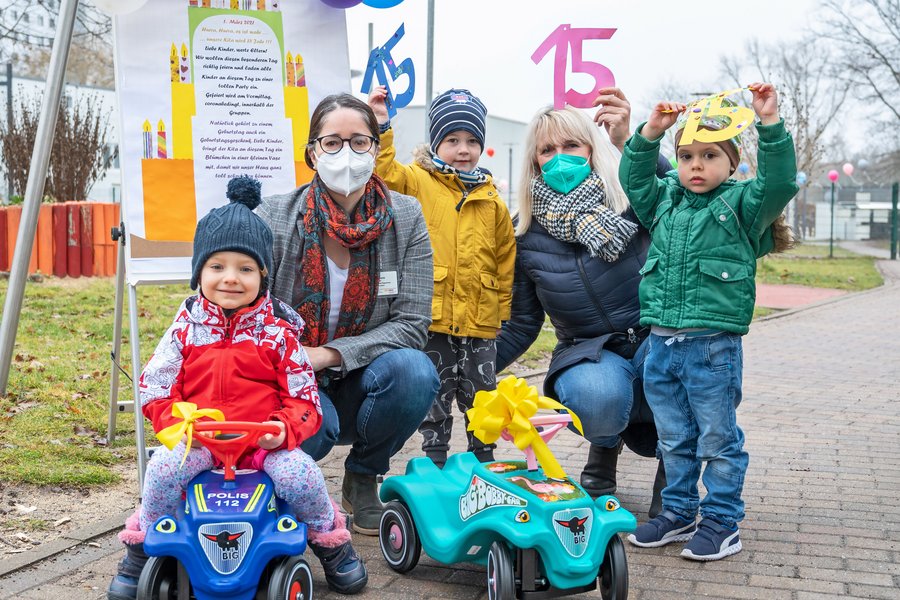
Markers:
point(359, 233)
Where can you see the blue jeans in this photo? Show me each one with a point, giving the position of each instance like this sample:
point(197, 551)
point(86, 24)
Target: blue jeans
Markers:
point(603, 393)
point(375, 408)
point(693, 385)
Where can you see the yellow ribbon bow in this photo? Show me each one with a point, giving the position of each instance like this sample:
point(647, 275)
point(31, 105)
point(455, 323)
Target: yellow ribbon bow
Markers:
point(188, 411)
point(510, 407)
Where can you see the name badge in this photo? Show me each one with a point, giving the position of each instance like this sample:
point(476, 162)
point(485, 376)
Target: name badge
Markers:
point(387, 284)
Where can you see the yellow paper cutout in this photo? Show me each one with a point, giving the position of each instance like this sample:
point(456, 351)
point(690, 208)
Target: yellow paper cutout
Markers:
point(510, 408)
point(740, 118)
point(188, 411)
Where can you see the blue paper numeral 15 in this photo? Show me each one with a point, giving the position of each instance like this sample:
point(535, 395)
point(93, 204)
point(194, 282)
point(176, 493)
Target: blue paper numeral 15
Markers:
point(381, 57)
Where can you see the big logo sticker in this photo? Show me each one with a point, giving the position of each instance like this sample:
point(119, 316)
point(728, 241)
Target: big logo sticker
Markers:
point(225, 544)
point(573, 528)
point(482, 495)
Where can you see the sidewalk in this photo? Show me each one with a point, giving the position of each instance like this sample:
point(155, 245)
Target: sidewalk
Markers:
point(821, 414)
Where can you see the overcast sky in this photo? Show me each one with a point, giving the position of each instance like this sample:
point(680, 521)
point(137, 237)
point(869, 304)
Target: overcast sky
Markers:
point(486, 45)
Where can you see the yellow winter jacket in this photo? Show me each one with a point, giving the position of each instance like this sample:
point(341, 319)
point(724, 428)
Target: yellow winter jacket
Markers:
point(472, 238)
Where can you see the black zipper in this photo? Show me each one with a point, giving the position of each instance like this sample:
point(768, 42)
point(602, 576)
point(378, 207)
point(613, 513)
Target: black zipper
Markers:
point(590, 290)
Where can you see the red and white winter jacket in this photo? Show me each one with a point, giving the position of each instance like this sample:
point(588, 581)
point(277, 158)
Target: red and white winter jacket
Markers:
point(249, 365)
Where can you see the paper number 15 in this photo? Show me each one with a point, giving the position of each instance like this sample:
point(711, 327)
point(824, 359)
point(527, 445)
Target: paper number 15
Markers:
point(563, 37)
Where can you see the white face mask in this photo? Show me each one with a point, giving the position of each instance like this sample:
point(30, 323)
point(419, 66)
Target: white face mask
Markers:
point(346, 171)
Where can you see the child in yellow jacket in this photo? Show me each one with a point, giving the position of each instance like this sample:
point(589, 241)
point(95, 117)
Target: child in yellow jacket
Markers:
point(474, 253)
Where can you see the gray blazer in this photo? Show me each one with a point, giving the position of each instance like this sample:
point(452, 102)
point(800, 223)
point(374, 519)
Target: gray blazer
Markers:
point(398, 321)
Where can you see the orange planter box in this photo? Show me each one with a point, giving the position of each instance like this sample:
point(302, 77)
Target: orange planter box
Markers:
point(45, 240)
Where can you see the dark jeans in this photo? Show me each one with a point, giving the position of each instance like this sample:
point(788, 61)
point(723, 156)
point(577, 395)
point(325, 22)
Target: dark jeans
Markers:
point(375, 408)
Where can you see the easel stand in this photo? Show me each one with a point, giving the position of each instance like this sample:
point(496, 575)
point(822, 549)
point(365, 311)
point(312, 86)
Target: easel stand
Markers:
point(116, 407)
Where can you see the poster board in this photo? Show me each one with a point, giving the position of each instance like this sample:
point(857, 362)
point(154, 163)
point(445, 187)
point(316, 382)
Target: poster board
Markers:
point(209, 90)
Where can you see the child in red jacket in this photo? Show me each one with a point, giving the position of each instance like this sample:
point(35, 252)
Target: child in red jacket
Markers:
point(234, 348)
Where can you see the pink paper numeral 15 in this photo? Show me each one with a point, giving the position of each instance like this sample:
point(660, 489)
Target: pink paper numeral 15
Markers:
point(563, 37)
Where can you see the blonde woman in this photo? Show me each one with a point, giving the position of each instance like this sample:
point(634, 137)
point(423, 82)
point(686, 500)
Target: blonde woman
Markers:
point(579, 251)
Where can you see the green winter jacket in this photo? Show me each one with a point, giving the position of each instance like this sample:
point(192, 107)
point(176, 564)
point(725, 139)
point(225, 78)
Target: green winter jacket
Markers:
point(701, 266)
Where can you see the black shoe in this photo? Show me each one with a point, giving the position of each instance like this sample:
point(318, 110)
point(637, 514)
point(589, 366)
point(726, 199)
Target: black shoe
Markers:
point(345, 571)
point(124, 584)
point(658, 484)
point(438, 457)
point(485, 454)
point(599, 475)
point(360, 498)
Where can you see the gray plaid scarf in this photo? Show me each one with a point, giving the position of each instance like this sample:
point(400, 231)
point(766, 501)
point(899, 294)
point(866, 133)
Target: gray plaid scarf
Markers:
point(582, 216)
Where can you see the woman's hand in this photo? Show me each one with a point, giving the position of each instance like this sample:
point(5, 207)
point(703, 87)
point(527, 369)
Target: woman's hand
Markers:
point(377, 103)
point(614, 114)
point(663, 116)
point(765, 102)
point(322, 357)
point(269, 441)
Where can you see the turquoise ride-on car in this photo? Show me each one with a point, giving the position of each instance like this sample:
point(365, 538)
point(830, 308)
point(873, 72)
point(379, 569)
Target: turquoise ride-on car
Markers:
point(233, 538)
point(539, 536)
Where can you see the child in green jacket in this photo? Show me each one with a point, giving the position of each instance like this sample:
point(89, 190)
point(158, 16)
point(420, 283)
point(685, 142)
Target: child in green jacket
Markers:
point(697, 295)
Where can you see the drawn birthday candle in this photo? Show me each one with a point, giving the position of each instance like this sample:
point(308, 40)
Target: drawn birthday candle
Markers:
point(260, 4)
point(235, 5)
point(192, 3)
point(161, 140)
point(275, 5)
point(289, 65)
point(148, 140)
point(185, 65)
point(173, 64)
point(299, 70)
point(205, 3)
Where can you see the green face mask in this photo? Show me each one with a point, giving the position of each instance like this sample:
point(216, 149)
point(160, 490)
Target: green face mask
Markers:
point(564, 172)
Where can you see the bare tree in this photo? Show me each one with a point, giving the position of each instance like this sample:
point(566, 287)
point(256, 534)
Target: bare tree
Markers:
point(810, 100)
point(79, 155)
point(26, 36)
point(866, 37)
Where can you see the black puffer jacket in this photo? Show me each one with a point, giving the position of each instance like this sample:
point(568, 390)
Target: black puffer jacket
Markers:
point(591, 303)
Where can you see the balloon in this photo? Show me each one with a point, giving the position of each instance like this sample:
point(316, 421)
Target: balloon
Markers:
point(801, 178)
point(119, 7)
point(862, 164)
point(502, 185)
point(341, 3)
point(381, 3)
point(833, 175)
point(743, 168)
point(848, 169)
point(490, 151)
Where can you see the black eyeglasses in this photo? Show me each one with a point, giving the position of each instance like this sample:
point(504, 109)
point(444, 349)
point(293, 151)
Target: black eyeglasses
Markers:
point(332, 144)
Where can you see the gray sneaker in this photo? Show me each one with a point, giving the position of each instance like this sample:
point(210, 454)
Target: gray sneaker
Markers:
point(665, 528)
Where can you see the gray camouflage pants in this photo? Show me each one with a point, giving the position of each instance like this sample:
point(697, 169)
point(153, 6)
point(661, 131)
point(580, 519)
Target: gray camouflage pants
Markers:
point(465, 365)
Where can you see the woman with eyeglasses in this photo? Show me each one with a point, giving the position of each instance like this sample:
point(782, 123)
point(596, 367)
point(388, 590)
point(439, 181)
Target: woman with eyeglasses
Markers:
point(354, 259)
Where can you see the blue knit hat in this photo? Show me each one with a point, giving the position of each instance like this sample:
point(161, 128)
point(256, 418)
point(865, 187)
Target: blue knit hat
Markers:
point(454, 110)
point(235, 228)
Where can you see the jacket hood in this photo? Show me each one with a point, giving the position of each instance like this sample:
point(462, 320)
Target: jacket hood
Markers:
point(422, 157)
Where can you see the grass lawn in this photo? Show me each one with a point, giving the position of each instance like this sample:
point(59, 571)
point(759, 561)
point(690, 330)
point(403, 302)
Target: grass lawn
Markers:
point(810, 265)
point(53, 420)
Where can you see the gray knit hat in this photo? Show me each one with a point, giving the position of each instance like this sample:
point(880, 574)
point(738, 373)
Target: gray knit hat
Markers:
point(234, 227)
point(454, 110)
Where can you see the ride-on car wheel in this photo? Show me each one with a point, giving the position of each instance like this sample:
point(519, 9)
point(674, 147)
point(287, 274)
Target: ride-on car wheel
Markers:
point(501, 577)
point(397, 537)
point(614, 571)
point(159, 579)
point(291, 580)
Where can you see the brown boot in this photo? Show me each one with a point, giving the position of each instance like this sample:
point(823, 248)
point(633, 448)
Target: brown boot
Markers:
point(360, 498)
